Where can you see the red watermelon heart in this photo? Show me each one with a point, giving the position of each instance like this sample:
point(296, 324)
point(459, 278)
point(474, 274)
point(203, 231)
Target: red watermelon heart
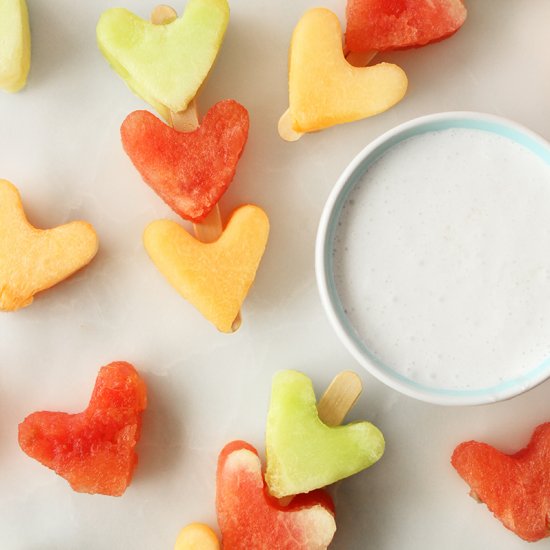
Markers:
point(93, 450)
point(190, 171)
point(516, 488)
point(251, 519)
point(380, 25)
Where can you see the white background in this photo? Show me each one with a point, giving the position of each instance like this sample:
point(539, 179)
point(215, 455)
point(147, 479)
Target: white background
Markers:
point(59, 143)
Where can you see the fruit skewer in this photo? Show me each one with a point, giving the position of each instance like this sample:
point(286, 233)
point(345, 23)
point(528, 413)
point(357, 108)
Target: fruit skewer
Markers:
point(333, 406)
point(323, 88)
point(211, 227)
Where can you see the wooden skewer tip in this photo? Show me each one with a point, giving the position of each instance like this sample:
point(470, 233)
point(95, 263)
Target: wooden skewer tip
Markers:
point(360, 59)
point(162, 15)
point(286, 131)
point(339, 398)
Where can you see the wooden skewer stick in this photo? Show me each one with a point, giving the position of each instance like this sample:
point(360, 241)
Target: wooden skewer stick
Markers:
point(339, 398)
point(188, 120)
point(211, 228)
point(360, 59)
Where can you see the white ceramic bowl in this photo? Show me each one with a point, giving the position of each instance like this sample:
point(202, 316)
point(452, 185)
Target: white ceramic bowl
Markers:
point(325, 272)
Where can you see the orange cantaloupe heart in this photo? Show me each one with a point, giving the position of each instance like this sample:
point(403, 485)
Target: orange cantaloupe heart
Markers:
point(214, 277)
point(32, 259)
point(324, 89)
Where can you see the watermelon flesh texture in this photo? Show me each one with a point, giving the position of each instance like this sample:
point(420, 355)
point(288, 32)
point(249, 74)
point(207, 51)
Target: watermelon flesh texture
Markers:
point(250, 519)
point(93, 450)
point(190, 171)
point(381, 25)
point(516, 488)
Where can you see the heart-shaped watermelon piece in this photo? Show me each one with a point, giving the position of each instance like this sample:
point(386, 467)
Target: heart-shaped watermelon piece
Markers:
point(190, 171)
point(250, 519)
point(516, 487)
point(93, 450)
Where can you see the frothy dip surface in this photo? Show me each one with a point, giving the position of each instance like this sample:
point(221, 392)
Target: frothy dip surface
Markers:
point(442, 259)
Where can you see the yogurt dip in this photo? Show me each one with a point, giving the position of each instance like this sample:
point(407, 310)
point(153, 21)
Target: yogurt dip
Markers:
point(441, 259)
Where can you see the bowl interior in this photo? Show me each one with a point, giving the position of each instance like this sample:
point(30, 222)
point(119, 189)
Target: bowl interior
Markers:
point(325, 268)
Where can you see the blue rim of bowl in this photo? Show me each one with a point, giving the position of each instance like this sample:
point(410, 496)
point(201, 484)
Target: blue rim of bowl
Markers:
point(324, 257)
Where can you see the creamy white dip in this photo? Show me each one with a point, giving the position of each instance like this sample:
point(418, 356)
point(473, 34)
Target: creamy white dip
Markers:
point(442, 259)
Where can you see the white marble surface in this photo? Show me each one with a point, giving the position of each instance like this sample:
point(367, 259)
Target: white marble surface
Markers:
point(59, 143)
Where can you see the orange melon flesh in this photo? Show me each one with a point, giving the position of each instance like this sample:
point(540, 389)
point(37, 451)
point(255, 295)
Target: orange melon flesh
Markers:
point(214, 277)
point(197, 536)
point(190, 171)
point(324, 89)
point(31, 259)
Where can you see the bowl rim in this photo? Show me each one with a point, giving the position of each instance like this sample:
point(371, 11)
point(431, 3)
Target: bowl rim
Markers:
point(323, 252)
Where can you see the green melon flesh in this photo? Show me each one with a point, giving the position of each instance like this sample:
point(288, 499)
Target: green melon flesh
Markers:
point(302, 452)
point(164, 64)
point(15, 45)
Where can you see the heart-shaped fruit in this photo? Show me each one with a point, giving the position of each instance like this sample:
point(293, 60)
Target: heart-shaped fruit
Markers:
point(214, 277)
point(324, 89)
point(190, 170)
point(379, 25)
point(33, 259)
point(15, 44)
point(93, 450)
point(516, 488)
point(197, 536)
point(250, 519)
point(302, 452)
point(164, 64)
